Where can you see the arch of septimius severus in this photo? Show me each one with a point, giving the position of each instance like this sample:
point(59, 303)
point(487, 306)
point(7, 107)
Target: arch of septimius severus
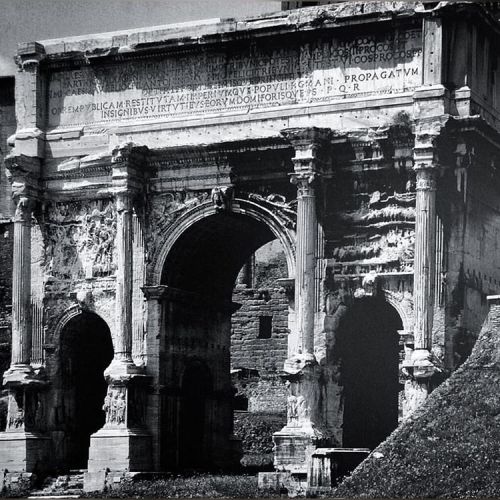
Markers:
point(149, 165)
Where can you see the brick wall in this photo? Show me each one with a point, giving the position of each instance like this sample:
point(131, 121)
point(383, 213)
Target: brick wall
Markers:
point(259, 337)
point(7, 128)
point(6, 244)
point(247, 349)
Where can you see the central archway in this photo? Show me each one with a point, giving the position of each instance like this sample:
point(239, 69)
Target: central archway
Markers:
point(203, 255)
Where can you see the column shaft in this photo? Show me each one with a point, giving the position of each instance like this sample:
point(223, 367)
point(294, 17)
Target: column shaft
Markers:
point(21, 285)
point(123, 320)
point(307, 227)
point(425, 257)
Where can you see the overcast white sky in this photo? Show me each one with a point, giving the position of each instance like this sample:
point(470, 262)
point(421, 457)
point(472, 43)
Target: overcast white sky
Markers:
point(27, 20)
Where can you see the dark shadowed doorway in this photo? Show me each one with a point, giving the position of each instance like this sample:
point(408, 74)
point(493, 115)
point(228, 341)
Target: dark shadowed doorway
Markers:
point(369, 349)
point(196, 398)
point(86, 351)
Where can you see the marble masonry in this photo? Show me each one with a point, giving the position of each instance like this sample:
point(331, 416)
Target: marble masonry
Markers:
point(148, 167)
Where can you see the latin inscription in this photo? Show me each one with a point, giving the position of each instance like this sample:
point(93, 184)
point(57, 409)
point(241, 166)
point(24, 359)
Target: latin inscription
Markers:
point(215, 83)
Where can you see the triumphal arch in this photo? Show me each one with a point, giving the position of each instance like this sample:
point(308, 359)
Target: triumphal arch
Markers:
point(148, 165)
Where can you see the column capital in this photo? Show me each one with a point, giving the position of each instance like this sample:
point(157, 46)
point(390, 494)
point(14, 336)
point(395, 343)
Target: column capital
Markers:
point(304, 180)
point(426, 177)
point(24, 209)
point(123, 200)
point(23, 172)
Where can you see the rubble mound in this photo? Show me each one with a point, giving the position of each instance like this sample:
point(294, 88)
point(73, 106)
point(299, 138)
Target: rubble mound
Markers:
point(450, 447)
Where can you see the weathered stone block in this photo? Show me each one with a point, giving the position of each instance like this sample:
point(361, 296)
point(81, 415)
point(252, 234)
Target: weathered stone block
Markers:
point(24, 452)
point(120, 449)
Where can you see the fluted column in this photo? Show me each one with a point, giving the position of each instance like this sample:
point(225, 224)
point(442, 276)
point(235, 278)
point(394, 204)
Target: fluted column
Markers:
point(127, 182)
point(424, 265)
point(425, 256)
point(309, 161)
point(122, 364)
point(307, 230)
point(123, 310)
point(21, 285)
point(20, 369)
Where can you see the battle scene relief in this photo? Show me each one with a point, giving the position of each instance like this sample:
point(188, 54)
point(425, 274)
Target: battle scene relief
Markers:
point(79, 239)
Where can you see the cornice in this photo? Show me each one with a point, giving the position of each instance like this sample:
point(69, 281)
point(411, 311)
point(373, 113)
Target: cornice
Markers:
point(153, 41)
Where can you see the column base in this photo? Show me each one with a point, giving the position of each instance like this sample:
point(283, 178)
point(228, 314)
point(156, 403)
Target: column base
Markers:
point(120, 450)
point(24, 452)
point(21, 375)
point(423, 364)
point(122, 370)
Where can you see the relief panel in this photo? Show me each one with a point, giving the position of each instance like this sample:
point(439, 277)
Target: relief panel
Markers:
point(79, 240)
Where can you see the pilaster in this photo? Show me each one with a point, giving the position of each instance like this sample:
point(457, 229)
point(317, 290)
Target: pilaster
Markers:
point(155, 296)
point(31, 104)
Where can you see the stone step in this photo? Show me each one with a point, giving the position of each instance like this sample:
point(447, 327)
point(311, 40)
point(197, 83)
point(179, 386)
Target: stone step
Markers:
point(38, 497)
point(65, 486)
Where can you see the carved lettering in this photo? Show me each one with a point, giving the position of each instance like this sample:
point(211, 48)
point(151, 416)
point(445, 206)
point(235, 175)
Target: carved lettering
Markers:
point(216, 82)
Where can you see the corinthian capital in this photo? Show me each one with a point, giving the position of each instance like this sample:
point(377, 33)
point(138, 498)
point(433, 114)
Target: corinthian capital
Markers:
point(426, 177)
point(24, 209)
point(304, 180)
point(23, 172)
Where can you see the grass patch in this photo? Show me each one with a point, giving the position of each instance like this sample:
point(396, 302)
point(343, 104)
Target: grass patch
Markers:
point(188, 486)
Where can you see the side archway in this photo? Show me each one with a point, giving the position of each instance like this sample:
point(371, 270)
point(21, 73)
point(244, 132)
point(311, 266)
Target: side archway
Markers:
point(85, 351)
point(368, 346)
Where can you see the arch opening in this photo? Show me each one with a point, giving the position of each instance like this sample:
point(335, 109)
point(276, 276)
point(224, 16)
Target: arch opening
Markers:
point(369, 351)
point(201, 271)
point(208, 255)
point(86, 351)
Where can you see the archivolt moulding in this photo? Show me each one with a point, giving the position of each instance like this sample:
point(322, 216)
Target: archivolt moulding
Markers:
point(199, 212)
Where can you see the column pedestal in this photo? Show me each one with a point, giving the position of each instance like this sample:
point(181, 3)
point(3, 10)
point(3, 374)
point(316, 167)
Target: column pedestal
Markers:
point(303, 433)
point(123, 444)
point(22, 447)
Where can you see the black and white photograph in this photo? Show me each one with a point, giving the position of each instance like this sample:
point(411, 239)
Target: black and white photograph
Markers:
point(249, 249)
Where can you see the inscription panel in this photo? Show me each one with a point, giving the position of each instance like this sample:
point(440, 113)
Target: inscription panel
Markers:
point(225, 82)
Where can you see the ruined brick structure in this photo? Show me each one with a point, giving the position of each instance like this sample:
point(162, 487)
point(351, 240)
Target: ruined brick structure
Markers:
point(7, 128)
point(149, 166)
